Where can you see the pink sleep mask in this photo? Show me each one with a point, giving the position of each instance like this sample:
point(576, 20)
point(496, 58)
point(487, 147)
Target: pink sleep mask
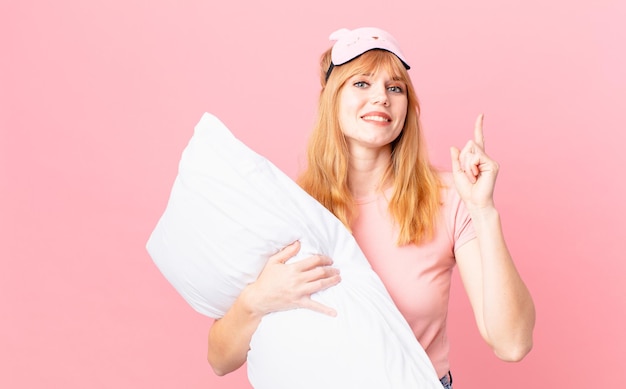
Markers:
point(352, 43)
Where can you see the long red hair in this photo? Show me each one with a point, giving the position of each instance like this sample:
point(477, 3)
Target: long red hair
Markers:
point(415, 201)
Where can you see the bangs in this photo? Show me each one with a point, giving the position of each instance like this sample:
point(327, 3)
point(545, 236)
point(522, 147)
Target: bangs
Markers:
point(373, 61)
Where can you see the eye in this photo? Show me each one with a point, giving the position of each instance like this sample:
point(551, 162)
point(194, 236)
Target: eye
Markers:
point(361, 84)
point(395, 89)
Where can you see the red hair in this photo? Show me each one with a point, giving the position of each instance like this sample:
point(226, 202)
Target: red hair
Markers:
point(415, 201)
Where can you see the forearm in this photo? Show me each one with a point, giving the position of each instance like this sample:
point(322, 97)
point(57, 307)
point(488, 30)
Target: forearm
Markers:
point(508, 310)
point(229, 337)
point(280, 287)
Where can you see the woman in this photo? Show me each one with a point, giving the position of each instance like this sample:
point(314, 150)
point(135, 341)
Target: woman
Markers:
point(367, 164)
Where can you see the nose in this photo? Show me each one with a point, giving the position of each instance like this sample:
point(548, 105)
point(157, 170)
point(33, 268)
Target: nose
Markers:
point(379, 95)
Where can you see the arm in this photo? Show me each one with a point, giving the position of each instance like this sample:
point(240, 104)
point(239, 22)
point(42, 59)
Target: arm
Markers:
point(502, 304)
point(280, 287)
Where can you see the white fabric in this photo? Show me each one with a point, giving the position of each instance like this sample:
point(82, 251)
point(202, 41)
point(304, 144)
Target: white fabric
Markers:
point(229, 210)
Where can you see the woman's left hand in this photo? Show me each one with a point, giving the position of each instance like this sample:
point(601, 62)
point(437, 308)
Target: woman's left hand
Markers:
point(474, 172)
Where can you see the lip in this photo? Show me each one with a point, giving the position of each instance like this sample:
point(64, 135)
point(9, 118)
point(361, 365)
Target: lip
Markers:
point(377, 114)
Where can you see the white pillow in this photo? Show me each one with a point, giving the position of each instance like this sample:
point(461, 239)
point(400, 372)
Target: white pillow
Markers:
point(230, 209)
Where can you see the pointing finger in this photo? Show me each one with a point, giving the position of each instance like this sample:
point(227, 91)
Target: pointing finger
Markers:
point(479, 139)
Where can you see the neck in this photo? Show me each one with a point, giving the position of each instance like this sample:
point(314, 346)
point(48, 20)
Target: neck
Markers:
point(366, 171)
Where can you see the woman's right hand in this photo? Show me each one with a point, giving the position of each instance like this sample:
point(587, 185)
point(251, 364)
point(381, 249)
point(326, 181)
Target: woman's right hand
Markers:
point(279, 287)
point(282, 286)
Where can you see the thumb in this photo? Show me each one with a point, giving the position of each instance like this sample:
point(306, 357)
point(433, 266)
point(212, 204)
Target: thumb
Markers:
point(286, 253)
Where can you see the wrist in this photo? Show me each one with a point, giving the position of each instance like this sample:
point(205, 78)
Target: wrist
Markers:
point(478, 205)
point(483, 213)
point(249, 304)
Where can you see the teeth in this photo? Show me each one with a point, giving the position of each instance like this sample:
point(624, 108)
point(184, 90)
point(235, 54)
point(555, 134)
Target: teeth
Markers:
point(376, 118)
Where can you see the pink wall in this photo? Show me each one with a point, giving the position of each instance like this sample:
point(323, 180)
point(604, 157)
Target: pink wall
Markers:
point(98, 100)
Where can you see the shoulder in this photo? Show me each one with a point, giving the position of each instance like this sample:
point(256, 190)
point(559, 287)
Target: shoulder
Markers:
point(455, 215)
point(449, 195)
point(445, 177)
point(452, 206)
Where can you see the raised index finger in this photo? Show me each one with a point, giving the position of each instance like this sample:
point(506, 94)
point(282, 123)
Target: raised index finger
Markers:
point(479, 139)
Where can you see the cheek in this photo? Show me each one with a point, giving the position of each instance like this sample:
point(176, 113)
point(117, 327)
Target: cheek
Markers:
point(346, 122)
point(347, 114)
point(402, 112)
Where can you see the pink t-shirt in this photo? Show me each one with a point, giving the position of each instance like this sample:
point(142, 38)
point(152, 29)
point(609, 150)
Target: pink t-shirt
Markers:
point(417, 277)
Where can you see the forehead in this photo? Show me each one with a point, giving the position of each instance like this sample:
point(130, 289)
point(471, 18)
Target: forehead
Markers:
point(378, 75)
point(376, 61)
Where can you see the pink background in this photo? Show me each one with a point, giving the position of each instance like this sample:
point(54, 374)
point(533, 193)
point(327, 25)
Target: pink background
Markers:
point(98, 99)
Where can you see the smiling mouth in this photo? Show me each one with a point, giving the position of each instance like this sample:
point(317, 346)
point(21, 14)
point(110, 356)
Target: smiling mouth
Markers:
point(376, 119)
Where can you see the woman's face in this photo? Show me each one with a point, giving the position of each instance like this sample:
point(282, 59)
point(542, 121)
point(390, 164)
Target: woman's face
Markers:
point(372, 109)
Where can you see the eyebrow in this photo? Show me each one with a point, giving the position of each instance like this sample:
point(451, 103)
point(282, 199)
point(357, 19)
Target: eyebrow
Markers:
point(393, 78)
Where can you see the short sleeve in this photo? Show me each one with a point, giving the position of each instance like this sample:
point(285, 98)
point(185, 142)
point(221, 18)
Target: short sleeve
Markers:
point(457, 215)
